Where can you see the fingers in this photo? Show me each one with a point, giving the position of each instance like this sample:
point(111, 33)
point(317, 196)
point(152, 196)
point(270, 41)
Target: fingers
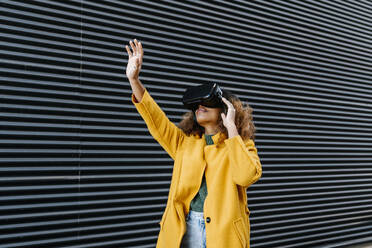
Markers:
point(138, 52)
point(133, 48)
point(128, 50)
point(228, 103)
point(140, 49)
point(136, 47)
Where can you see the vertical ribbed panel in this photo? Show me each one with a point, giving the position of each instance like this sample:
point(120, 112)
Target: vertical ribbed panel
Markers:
point(79, 167)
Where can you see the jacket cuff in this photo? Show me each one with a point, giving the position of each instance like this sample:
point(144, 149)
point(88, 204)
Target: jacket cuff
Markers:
point(145, 99)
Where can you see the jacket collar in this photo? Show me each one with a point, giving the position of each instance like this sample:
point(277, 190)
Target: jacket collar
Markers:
point(215, 137)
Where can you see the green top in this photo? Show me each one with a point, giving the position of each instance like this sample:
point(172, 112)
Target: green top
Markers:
point(197, 204)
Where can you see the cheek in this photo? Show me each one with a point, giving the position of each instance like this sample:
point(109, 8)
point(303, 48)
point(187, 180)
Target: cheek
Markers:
point(217, 114)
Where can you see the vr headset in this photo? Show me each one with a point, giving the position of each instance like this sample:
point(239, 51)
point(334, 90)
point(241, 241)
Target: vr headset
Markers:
point(208, 95)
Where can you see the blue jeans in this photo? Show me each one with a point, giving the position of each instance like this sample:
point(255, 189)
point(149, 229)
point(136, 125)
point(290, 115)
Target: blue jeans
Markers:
point(195, 231)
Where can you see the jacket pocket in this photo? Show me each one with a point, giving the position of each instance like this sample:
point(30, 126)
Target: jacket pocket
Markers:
point(240, 231)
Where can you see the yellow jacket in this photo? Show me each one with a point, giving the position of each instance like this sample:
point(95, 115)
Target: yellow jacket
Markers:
point(230, 168)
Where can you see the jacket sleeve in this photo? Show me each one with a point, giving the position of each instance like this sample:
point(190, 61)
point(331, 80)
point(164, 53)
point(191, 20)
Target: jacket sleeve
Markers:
point(246, 165)
point(165, 132)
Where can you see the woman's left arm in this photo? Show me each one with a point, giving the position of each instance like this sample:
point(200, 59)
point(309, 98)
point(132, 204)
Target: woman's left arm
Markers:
point(246, 165)
point(243, 155)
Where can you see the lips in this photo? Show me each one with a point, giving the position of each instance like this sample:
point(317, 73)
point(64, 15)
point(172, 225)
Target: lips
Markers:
point(201, 109)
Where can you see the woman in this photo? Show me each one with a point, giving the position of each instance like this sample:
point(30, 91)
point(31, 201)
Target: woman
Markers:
point(215, 161)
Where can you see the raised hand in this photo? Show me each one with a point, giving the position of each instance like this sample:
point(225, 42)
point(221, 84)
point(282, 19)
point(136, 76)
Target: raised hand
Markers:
point(135, 59)
point(229, 118)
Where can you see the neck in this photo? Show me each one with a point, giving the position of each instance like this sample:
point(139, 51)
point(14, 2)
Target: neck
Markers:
point(210, 130)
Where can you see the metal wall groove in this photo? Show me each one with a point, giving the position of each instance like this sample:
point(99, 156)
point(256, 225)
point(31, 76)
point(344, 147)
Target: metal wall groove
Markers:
point(79, 167)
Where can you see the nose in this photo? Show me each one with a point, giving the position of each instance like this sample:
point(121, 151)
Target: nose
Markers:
point(198, 107)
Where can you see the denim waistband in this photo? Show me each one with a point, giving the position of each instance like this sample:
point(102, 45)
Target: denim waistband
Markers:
point(195, 215)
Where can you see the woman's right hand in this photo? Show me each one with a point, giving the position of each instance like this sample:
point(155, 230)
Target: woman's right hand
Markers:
point(135, 59)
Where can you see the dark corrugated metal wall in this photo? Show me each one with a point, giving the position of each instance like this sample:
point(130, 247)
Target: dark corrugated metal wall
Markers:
point(79, 168)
